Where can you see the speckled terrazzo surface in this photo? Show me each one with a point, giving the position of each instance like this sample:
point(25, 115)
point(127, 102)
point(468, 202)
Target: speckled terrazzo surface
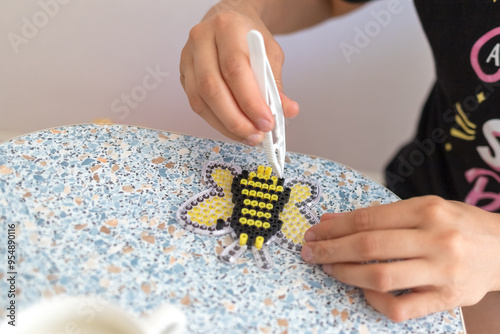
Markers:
point(94, 208)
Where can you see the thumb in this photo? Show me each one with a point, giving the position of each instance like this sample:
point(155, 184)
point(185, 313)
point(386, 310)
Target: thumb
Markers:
point(290, 107)
point(276, 58)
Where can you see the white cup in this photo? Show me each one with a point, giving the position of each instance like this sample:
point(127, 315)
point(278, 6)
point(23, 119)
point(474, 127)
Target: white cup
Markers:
point(92, 315)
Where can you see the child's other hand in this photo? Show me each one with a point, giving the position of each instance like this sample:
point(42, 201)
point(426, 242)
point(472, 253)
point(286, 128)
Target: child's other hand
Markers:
point(217, 77)
point(449, 252)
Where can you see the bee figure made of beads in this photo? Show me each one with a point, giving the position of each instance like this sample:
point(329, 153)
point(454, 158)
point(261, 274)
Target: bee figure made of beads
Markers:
point(256, 207)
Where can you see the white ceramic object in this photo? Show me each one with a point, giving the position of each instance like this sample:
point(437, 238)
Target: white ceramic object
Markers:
point(92, 315)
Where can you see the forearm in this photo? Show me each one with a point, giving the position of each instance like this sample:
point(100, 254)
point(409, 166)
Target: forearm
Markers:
point(285, 16)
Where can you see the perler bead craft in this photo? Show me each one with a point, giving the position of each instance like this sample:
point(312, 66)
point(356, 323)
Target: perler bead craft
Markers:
point(256, 207)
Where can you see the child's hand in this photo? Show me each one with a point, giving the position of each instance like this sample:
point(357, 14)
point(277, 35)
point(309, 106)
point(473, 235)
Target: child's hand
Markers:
point(217, 77)
point(450, 252)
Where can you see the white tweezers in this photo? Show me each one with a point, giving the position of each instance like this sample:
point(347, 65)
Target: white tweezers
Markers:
point(274, 141)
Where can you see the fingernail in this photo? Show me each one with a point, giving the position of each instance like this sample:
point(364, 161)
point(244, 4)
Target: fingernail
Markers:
point(309, 236)
point(327, 268)
point(263, 125)
point(306, 253)
point(252, 140)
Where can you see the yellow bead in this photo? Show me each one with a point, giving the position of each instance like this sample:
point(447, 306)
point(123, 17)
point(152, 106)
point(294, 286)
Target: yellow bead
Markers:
point(245, 192)
point(251, 175)
point(260, 194)
point(279, 189)
point(258, 223)
point(269, 206)
point(247, 202)
point(253, 193)
point(254, 203)
point(268, 171)
point(250, 222)
point(243, 220)
point(244, 211)
point(243, 239)
point(275, 180)
point(261, 169)
point(267, 215)
point(260, 214)
point(243, 181)
point(259, 241)
point(258, 185)
point(266, 225)
point(262, 205)
point(265, 186)
point(252, 212)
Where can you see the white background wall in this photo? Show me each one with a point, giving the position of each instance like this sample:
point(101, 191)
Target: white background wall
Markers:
point(86, 54)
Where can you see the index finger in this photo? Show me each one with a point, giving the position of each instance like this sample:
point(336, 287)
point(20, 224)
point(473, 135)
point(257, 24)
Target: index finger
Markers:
point(237, 73)
point(222, 108)
point(399, 215)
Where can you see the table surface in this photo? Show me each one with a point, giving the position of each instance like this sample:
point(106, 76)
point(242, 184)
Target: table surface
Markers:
point(95, 206)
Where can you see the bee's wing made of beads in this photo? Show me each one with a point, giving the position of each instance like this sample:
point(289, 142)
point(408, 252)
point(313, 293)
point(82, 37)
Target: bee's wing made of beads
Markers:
point(297, 216)
point(208, 212)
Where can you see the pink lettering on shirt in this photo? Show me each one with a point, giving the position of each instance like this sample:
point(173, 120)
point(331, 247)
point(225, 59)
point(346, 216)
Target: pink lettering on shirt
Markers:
point(477, 193)
point(474, 60)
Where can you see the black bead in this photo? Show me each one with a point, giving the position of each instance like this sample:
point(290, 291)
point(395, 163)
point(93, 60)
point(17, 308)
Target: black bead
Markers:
point(220, 224)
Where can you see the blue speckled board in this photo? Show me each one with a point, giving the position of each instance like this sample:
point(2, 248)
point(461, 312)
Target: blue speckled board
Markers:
point(95, 212)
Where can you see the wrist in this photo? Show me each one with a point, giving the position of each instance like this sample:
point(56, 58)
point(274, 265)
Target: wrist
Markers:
point(252, 9)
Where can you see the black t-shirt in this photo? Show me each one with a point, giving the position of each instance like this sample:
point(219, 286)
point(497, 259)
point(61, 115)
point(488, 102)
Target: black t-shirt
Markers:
point(456, 151)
